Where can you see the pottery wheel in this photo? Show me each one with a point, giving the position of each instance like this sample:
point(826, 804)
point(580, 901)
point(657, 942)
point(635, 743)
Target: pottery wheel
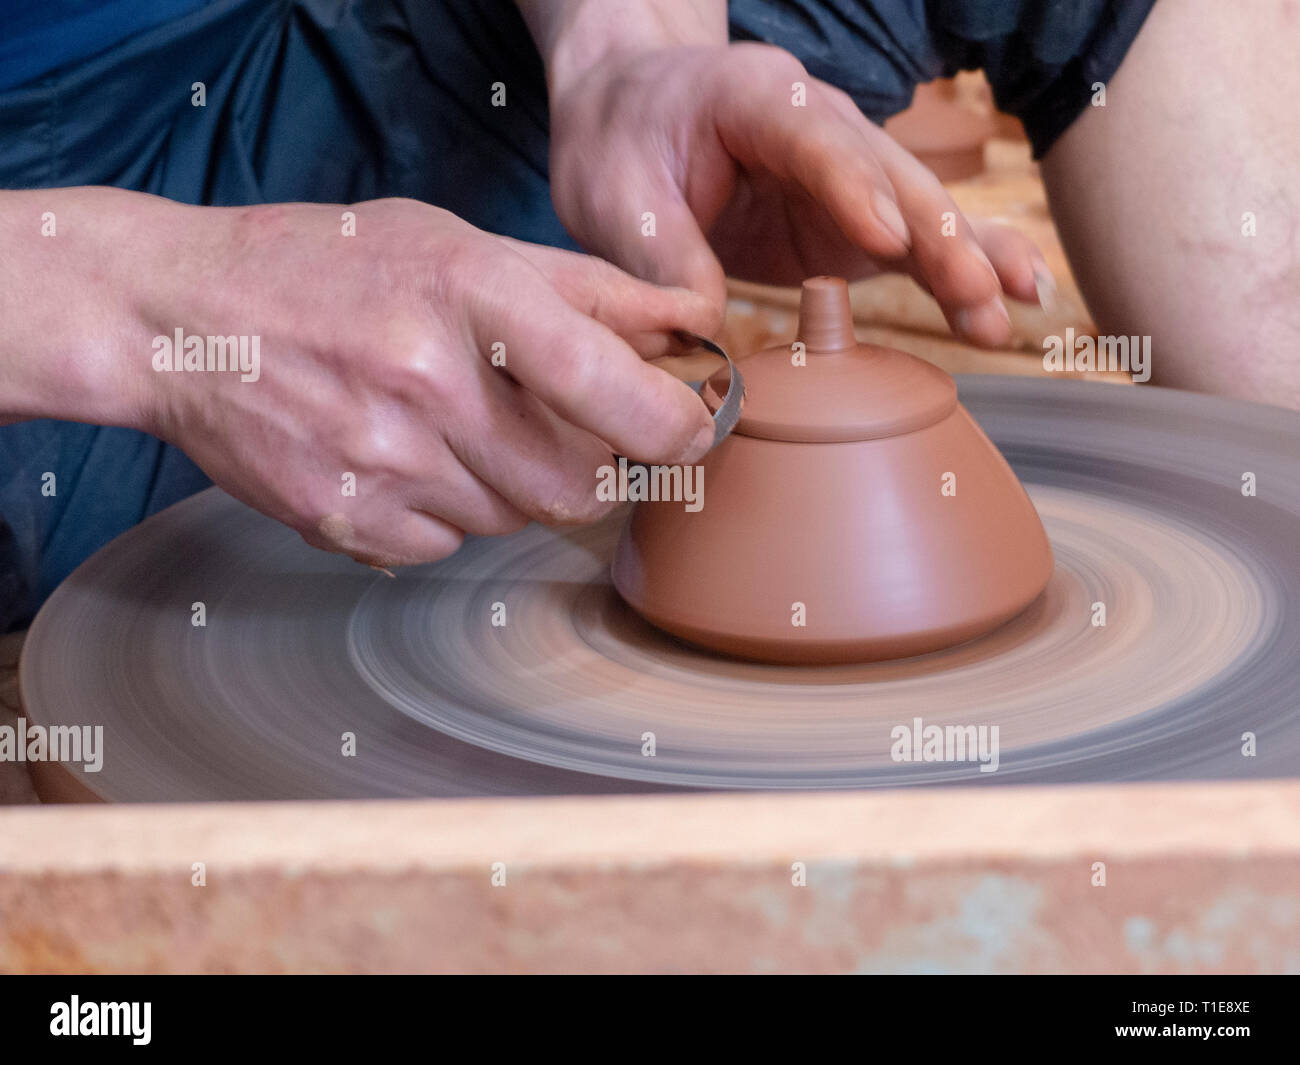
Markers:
point(1139, 490)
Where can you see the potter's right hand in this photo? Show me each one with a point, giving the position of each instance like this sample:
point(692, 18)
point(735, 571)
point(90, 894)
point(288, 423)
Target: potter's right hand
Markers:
point(380, 424)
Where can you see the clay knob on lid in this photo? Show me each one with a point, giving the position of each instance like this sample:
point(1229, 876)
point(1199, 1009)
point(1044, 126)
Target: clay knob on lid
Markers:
point(827, 387)
point(826, 316)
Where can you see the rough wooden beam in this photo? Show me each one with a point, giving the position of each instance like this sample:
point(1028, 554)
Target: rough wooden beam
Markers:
point(1198, 878)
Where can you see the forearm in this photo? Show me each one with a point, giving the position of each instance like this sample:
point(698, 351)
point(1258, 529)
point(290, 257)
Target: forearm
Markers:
point(75, 265)
point(572, 35)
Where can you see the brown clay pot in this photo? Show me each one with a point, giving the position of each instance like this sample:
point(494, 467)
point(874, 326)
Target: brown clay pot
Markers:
point(945, 134)
point(830, 493)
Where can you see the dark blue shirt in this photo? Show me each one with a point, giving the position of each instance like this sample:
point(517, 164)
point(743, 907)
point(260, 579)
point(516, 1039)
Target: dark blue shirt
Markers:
point(41, 36)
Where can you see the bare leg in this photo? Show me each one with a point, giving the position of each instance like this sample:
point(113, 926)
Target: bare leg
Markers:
point(1151, 193)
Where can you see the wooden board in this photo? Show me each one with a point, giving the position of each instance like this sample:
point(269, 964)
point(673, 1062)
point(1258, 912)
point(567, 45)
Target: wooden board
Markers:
point(1197, 878)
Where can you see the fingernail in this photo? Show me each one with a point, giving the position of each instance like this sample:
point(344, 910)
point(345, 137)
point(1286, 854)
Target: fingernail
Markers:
point(891, 218)
point(1045, 286)
point(975, 322)
point(700, 445)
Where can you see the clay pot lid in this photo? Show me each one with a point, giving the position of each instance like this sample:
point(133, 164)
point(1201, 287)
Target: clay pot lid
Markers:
point(844, 390)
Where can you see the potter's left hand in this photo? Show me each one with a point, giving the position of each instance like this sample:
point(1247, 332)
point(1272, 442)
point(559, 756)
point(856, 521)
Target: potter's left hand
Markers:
point(748, 165)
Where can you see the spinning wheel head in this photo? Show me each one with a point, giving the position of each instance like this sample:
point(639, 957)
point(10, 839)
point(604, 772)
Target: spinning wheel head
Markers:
point(1198, 645)
point(857, 512)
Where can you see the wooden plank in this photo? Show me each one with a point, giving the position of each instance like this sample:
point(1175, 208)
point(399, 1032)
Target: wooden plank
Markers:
point(1198, 878)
